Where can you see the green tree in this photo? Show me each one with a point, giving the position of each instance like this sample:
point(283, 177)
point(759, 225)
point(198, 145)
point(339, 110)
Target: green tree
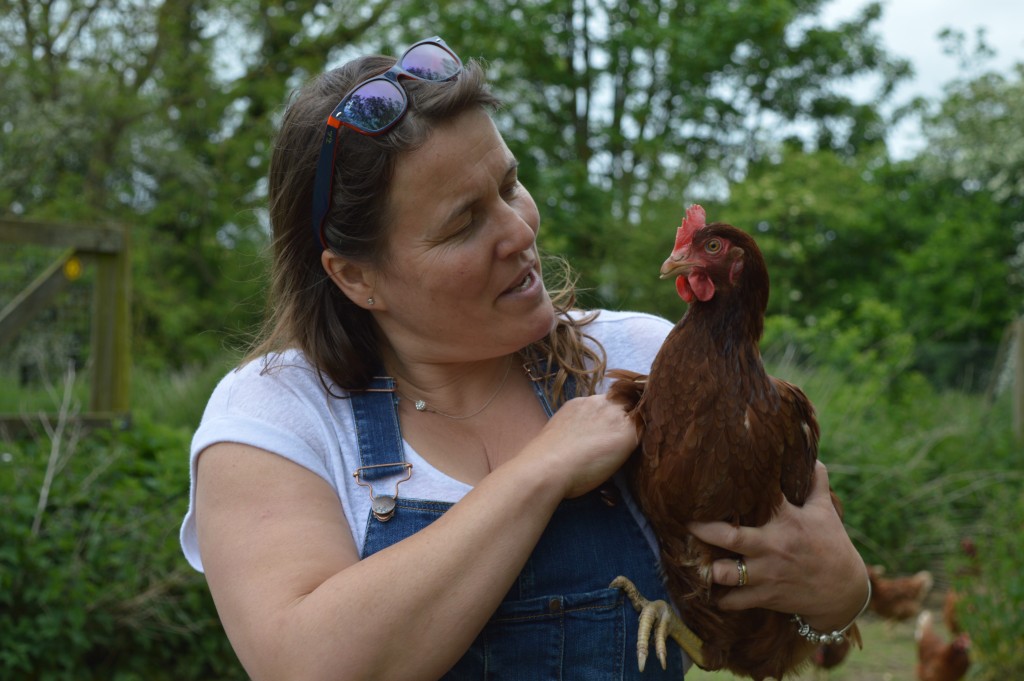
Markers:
point(968, 180)
point(955, 284)
point(620, 108)
point(974, 132)
point(159, 115)
point(816, 216)
point(976, 137)
point(871, 253)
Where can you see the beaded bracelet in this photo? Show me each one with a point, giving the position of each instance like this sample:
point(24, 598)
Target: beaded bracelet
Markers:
point(837, 636)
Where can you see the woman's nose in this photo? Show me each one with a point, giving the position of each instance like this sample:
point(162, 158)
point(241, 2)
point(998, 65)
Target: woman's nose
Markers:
point(519, 230)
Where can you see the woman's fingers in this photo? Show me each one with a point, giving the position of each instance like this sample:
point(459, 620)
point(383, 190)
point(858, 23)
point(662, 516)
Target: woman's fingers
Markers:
point(800, 561)
point(724, 535)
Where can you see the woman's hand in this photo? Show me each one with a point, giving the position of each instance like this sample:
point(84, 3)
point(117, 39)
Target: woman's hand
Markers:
point(585, 442)
point(801, 562)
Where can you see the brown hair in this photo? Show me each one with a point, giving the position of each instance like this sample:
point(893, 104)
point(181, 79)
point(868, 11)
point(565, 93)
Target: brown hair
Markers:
point(306, 310)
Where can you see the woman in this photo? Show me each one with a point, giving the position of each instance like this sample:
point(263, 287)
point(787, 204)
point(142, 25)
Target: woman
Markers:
point(412, 360)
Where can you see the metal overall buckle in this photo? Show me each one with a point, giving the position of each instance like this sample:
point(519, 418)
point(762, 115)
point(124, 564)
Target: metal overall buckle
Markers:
point(383, 506)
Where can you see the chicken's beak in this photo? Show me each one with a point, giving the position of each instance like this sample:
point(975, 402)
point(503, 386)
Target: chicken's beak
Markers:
point(677, 265)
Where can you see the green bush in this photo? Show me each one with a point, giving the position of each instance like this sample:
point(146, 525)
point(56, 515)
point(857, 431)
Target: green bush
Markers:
point(868, 347)
point(178, 397)
point(914, 469)
point(991, 610)
point(94, 586)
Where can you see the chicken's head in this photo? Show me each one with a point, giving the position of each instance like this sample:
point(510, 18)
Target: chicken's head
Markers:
point(703, 257)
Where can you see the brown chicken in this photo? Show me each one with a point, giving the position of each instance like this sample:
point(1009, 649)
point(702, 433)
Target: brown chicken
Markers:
point(720, 439)
point(967, 572)
point(950, 605)
point(938, 659)
point(898, 598)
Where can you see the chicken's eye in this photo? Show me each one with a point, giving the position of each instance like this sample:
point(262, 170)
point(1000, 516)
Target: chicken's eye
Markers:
point(713, 246)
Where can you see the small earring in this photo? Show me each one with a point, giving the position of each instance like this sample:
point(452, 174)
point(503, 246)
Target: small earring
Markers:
point(370, 301)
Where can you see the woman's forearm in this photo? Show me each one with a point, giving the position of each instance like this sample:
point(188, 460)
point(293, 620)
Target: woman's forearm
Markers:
point(411, 610)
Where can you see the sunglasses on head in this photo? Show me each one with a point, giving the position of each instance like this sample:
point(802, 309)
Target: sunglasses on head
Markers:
point(372, 108)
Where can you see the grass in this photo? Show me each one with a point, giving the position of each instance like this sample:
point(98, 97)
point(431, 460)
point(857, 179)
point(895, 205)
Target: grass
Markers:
point(177, 397)
point(889, 653)
point(173, 397)
point(42, 394)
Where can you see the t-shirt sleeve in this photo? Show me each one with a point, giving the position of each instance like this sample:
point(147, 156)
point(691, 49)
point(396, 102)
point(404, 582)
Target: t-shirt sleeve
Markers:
point(260, 409)
point(631, 340)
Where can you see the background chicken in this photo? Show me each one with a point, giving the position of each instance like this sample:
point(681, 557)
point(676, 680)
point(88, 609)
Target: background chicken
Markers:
point(969, 572)
point(938, 659)
point(720, 440)
point(898, 598)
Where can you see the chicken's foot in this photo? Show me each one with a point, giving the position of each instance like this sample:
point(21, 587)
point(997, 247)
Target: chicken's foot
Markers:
point(668, 624)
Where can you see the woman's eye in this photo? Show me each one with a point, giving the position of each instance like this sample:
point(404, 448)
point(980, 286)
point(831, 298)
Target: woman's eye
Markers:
point(462, 228)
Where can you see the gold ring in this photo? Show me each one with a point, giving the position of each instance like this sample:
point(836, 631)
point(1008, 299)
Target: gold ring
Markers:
point(742, 567)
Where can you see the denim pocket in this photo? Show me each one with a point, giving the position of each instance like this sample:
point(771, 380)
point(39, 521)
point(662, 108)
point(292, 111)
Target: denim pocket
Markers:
point(576, 637)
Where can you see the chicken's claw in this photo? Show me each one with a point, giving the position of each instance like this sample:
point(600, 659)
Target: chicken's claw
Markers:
point(668, 624)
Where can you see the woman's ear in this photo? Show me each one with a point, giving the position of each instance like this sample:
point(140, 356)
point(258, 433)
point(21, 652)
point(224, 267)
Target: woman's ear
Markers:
point(357, 281)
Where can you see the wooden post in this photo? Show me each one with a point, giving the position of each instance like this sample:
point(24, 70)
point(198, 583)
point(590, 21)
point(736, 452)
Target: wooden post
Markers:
point(1018, 379)
point(111, 332)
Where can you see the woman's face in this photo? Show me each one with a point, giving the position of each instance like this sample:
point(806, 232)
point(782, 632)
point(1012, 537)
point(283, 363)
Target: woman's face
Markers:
point(462, 278)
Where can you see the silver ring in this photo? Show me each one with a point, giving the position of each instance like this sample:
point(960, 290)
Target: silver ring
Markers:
point(742, 567)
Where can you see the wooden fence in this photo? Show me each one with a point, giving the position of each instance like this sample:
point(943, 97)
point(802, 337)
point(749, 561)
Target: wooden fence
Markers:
point(107, 248)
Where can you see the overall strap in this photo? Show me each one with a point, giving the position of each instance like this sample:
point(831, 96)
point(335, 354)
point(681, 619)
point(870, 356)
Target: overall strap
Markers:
point(381, 449)
point(379, 435)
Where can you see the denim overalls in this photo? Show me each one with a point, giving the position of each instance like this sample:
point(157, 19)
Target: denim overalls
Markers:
point(559, 621)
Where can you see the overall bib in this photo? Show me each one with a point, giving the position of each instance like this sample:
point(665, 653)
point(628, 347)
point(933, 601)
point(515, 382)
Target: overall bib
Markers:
point(559, 621)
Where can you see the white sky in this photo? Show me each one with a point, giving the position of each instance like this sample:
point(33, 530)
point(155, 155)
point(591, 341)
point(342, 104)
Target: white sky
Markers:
point(910, 29)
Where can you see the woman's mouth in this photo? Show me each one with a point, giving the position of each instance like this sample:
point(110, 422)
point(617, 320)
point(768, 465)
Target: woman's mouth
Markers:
point(524, 286)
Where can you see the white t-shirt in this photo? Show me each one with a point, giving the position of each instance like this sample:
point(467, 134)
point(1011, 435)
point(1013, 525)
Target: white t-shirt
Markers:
point(286, 410)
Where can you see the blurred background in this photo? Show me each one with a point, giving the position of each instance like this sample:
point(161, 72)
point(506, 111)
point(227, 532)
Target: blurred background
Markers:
point(875, 150)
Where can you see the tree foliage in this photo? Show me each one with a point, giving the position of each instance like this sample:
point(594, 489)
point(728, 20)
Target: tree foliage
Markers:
point(843, 236)
point(976, 138)
point(619, 106)
point(159, 115)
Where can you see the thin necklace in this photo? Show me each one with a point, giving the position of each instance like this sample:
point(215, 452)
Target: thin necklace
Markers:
point(421, 405)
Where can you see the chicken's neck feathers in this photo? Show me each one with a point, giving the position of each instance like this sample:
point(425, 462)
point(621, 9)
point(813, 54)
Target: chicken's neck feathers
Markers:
point(735, 317)
point(726, 333)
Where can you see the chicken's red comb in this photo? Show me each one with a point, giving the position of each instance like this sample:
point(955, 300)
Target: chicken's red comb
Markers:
point(694, 220)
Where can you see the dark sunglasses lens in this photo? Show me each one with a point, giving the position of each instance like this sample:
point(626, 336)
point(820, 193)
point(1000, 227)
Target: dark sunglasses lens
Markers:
point(373, 106)
point(430, 62)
